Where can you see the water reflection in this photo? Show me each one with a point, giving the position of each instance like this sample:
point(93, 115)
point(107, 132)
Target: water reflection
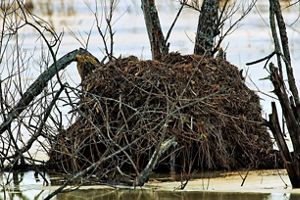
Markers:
point(294, 197)
point(23, 186)
point(101, 194)
point(151, 195)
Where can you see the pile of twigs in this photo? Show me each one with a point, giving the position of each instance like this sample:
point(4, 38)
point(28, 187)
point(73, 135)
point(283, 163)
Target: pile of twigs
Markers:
point(128, 107)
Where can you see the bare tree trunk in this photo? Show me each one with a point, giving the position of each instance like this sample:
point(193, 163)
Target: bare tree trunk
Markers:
point(276, 10)
point(290, 163)
point(290, 105)
point(155, 34)
point(207, 28)
point(291, 121)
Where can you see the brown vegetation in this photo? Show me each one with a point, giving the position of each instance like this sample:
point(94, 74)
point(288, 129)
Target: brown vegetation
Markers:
point(203, 102)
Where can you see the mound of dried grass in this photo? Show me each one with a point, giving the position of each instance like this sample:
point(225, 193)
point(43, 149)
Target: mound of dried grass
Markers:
point(130, 103)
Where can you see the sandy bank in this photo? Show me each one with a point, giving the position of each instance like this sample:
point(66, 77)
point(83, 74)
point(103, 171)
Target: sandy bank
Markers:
point(262, 181)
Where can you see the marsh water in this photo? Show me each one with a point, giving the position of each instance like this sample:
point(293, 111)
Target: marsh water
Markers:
point(33, 187)
point(250, 41)
point(146, 195)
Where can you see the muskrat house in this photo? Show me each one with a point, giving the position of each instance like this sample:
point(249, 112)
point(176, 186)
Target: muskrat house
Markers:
point(202, 102)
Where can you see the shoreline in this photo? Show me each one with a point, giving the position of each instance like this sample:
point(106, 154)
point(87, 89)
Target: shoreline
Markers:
point(258, 181)
point(258, 184)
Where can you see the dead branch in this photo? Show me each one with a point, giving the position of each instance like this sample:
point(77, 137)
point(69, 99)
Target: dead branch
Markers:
point(89, 169)
point(291, 122)
point(267, 58)
point(277, 47)
point(173, 23)
point(274, 125)
point(40, 128)
point(225, 15)
point(289, 162)
point(38, 85)
point(275, 8)
point(107, 35)
point(163, 147)
point(290, 105)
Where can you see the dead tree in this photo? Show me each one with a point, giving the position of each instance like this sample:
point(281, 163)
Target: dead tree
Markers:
point(289, 104)
point(207, 28)
point(206, 32)
point(155, 34)
point(291, 161)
